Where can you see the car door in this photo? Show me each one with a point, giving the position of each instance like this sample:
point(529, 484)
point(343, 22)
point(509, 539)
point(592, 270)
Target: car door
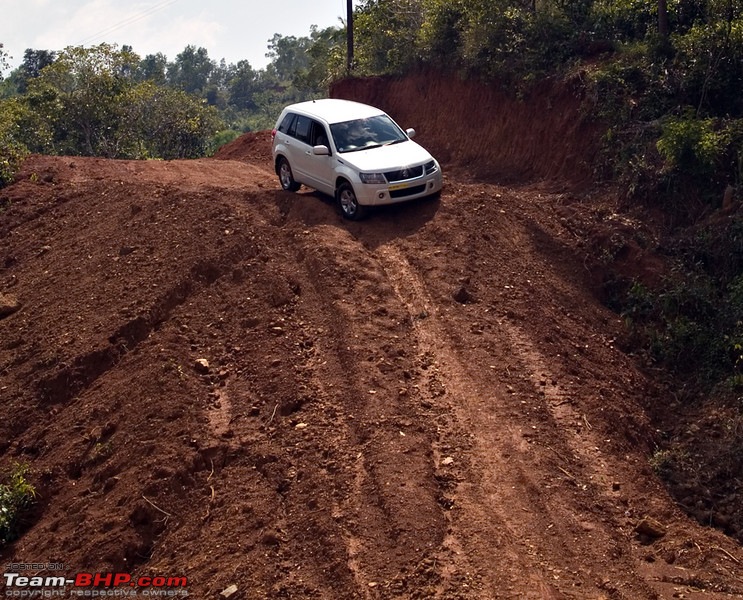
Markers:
point(302, 151)
point(322, 165)
point(284, 142)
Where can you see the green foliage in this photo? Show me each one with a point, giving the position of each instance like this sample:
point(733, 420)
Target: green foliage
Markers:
point(326, 61)
point(12, 149)
point(34, 61)
point(243, 84)
point(16, 496)
point(705, 153)
point(692, 145)
point(678, 327)
point(288, 54)
point(624, 20)
point(224, 137)
point(191, 70)
point(692, 324)
point(385, 34)
point(92, 102)
point(105, 101)
point(80, 93)
point(708, 66)
point(153, 67)
point(157, 122)
point(440, 36)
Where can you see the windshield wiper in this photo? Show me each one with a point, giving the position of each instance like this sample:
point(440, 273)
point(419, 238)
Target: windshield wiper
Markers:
point(363, 148)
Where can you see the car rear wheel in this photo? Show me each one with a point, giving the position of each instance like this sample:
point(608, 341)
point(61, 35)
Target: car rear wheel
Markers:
point(286, 177)
point(348, 203)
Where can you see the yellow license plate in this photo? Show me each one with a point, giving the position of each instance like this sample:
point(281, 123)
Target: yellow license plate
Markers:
point(398, 186)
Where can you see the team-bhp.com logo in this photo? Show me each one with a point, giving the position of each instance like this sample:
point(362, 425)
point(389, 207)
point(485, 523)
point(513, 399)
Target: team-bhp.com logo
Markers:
point(90, 585)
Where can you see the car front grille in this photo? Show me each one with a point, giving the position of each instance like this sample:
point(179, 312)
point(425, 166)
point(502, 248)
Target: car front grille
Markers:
point(403, 174)
point(411, 191)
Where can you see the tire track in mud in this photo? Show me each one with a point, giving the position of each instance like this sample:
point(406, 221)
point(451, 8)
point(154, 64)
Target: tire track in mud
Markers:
point(317, 339)
point(390, 518)
point(488, 483)
point(510, 493)
point(582, 444)
point(385, 516)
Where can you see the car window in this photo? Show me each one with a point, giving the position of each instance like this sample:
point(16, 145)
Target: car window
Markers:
point(302, 128)
point(362, 134)
point(319, 134)
point(287, 122)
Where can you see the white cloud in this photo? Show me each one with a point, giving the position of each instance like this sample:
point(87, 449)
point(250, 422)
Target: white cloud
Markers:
point(229, 29)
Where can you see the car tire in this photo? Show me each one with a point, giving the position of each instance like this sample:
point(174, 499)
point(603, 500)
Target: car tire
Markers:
point(286, 177)
point(348, 203)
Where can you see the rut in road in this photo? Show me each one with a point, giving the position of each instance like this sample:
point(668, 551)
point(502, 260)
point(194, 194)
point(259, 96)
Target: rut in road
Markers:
point(502, 506)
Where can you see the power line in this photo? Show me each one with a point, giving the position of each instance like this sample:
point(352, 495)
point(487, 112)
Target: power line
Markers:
point(128, 21)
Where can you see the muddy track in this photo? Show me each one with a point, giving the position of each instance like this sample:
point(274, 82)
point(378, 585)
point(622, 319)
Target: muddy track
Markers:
point(242, 388)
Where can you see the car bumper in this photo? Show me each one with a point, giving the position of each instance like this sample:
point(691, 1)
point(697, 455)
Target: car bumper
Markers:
point(376, 195)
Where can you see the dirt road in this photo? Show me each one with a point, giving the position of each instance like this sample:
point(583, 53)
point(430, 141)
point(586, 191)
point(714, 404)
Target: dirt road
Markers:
point(215, 379)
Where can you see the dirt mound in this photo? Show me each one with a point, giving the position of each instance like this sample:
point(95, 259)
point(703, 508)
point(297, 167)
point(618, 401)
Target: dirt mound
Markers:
point(215, 379)
point(250, 147)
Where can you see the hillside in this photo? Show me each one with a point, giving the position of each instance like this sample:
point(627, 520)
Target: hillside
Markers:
point(215, 379)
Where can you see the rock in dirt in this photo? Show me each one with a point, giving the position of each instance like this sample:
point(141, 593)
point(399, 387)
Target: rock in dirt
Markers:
point(229, 591)
point(201, 365)
point(8, 305)
point(651, 528)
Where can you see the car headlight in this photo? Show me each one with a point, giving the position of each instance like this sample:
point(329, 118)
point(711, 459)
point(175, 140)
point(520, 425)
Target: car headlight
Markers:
point(372, 178)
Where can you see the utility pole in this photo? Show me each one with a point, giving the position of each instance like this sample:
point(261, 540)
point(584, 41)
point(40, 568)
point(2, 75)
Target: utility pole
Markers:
point(349, 36)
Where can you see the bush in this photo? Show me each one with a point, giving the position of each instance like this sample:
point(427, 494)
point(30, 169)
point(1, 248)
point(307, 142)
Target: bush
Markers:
point(692, 324)
point(16, 496)
point(11, 156)
point(693, 145)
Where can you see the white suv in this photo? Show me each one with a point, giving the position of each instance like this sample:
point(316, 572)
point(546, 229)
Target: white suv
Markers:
point(353, 152)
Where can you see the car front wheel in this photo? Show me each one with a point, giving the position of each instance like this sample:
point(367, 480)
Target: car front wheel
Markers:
point(348, 203)
point(286, 177)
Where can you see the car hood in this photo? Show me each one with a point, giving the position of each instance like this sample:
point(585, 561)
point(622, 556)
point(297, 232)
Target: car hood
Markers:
point(386, 158)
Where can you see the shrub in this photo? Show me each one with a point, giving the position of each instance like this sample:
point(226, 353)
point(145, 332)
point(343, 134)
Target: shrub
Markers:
point(16, 496)
point(12, 149)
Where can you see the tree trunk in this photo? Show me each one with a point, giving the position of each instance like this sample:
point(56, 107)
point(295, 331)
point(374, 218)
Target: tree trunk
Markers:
point(664, 27)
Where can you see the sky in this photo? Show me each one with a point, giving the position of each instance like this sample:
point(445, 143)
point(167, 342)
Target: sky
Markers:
point(230, 29)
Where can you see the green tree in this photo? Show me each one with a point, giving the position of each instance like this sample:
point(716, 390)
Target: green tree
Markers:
point(33, 62)
point(326, 55)
point(288, 55)
point(242, 84)
point(386, 33)
point(160, 122)
point(153, 68)
point(191, 70)
point(12, 150)
point(92, 102)
point(442, 30)
point(80, 90)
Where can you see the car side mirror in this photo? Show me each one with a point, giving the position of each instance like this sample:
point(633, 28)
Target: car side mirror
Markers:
point(321, 150)
point(410, 132)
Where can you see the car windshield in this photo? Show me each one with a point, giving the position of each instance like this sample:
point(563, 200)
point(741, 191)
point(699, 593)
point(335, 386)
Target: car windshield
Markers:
point(362, 134)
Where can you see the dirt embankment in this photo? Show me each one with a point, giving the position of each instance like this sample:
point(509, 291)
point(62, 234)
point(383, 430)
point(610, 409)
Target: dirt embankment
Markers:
point(216, 379)
point(486, 131)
